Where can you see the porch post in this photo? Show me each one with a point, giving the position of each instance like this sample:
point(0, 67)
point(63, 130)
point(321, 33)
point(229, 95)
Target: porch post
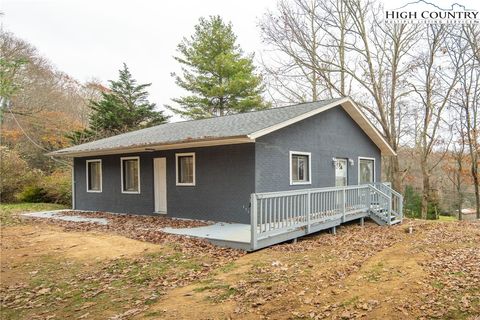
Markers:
point(369, 199)
point(343, 204)
point(389, 207)
point(309, 196)
point(400, 200)
point(253, 221)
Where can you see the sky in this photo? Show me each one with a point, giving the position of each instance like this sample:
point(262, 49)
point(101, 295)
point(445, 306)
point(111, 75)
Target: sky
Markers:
point(91, 39)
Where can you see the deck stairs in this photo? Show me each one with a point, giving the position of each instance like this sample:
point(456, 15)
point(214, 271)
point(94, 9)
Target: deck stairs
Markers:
point(386, 204)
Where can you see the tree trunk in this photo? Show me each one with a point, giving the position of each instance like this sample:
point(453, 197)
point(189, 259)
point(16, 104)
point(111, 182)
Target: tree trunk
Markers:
point(477, 195)
point(394, 173)
point(459, 188)
point(426, 191)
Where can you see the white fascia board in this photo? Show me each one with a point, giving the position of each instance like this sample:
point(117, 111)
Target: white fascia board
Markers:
point(150, 148)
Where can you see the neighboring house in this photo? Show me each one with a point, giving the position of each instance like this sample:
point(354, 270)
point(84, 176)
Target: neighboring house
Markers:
point(207, 169)
point(468, 214)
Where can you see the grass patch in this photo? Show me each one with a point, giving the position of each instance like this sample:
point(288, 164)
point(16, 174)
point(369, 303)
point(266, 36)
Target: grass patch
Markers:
point(438, 285)
point(350, 302)
point(103, 288)
point(220, 291)
point(213, 286)
point(153, 314)
point(228, 267)
point(447, 218)
point(9, 211)
point(374, 275)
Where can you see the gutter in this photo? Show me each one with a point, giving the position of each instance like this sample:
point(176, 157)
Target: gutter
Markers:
point(182, 144)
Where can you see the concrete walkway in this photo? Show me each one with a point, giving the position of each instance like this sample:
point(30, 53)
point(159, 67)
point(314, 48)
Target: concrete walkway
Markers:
point(57, 214)
point(235, 232)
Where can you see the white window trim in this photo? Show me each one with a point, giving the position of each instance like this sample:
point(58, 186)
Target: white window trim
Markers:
point(86, 175)
point(121, 174)
point(309, 154)
point(374, 168)
point(177, 155)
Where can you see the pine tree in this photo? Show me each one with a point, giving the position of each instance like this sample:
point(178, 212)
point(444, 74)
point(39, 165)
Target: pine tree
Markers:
point(220, 78)
point(123, 108)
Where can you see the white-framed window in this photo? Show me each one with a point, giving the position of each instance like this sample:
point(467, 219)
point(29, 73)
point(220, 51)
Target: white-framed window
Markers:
point(300, 167)
point(185, 169)
point(130, 174)
point(94, 175)
point(366, 170)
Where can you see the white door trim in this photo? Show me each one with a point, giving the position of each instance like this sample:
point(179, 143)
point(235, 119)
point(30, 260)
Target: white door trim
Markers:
point(160, 184)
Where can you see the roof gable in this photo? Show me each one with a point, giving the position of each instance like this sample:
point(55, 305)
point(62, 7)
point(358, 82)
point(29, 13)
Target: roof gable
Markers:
point(352, 109)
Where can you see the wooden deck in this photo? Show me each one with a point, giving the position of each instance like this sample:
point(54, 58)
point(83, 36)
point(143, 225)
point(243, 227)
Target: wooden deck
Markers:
point(281, 216)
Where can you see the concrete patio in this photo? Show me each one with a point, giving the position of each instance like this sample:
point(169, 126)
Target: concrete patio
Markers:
point(57, 214)
point(236, 235)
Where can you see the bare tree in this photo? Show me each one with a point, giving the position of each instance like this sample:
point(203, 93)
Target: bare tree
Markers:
point(455, 172)
point(465, 53)
point(433, 84)
point(339, 47)
point(385, 51)
point(294, 35)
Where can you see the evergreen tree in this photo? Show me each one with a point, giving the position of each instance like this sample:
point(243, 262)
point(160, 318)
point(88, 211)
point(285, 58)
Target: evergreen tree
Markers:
point(123, 108)
point(220, 78)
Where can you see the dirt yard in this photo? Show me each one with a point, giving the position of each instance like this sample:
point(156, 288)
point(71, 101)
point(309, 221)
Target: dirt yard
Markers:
point(130, 270)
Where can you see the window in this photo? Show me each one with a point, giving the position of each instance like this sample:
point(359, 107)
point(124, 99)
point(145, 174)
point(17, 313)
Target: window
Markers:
point(300, 165)
point(185, 169)
point(130, 174)
point(341, 169)
point(94, 175)
point(366, 170)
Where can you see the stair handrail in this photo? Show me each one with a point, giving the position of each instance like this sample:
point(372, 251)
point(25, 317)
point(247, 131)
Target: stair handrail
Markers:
point(395, 193)
point(389, 198)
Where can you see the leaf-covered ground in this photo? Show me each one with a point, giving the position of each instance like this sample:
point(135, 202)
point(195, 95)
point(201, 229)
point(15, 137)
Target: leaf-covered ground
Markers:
point(129, 269)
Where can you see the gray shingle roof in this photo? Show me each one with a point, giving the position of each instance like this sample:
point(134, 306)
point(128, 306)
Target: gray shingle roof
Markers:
point(229, 126)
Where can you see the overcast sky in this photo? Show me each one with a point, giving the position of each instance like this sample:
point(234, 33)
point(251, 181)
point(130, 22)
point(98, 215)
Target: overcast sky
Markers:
point(90, 39)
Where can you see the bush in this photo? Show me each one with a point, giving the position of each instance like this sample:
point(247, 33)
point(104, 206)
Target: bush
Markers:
point(15, 174)
point(413, 205)
point(413, 202)
point(55, 188)
point(32, 194)
point(58, 187)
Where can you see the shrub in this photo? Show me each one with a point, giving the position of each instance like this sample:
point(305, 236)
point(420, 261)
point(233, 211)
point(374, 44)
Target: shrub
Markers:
point(413, 204)
point(32, 194)
point(15, 174)
point(58, 187)
point(55, 188)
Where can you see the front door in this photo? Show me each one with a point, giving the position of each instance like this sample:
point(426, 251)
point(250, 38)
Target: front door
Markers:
point(160, 184)
point(341, 172)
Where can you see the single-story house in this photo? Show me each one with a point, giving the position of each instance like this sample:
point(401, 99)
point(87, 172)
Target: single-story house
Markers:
point(207, 169)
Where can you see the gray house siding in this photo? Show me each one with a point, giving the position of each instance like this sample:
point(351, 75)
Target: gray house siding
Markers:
point(332, 133)
point(224, 181)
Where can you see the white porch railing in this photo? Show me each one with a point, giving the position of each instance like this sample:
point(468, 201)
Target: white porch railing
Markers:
point(396, 199)
point(275, 213)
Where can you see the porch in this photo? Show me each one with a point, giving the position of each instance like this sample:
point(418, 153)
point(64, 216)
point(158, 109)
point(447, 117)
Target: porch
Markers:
point(281, 216)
